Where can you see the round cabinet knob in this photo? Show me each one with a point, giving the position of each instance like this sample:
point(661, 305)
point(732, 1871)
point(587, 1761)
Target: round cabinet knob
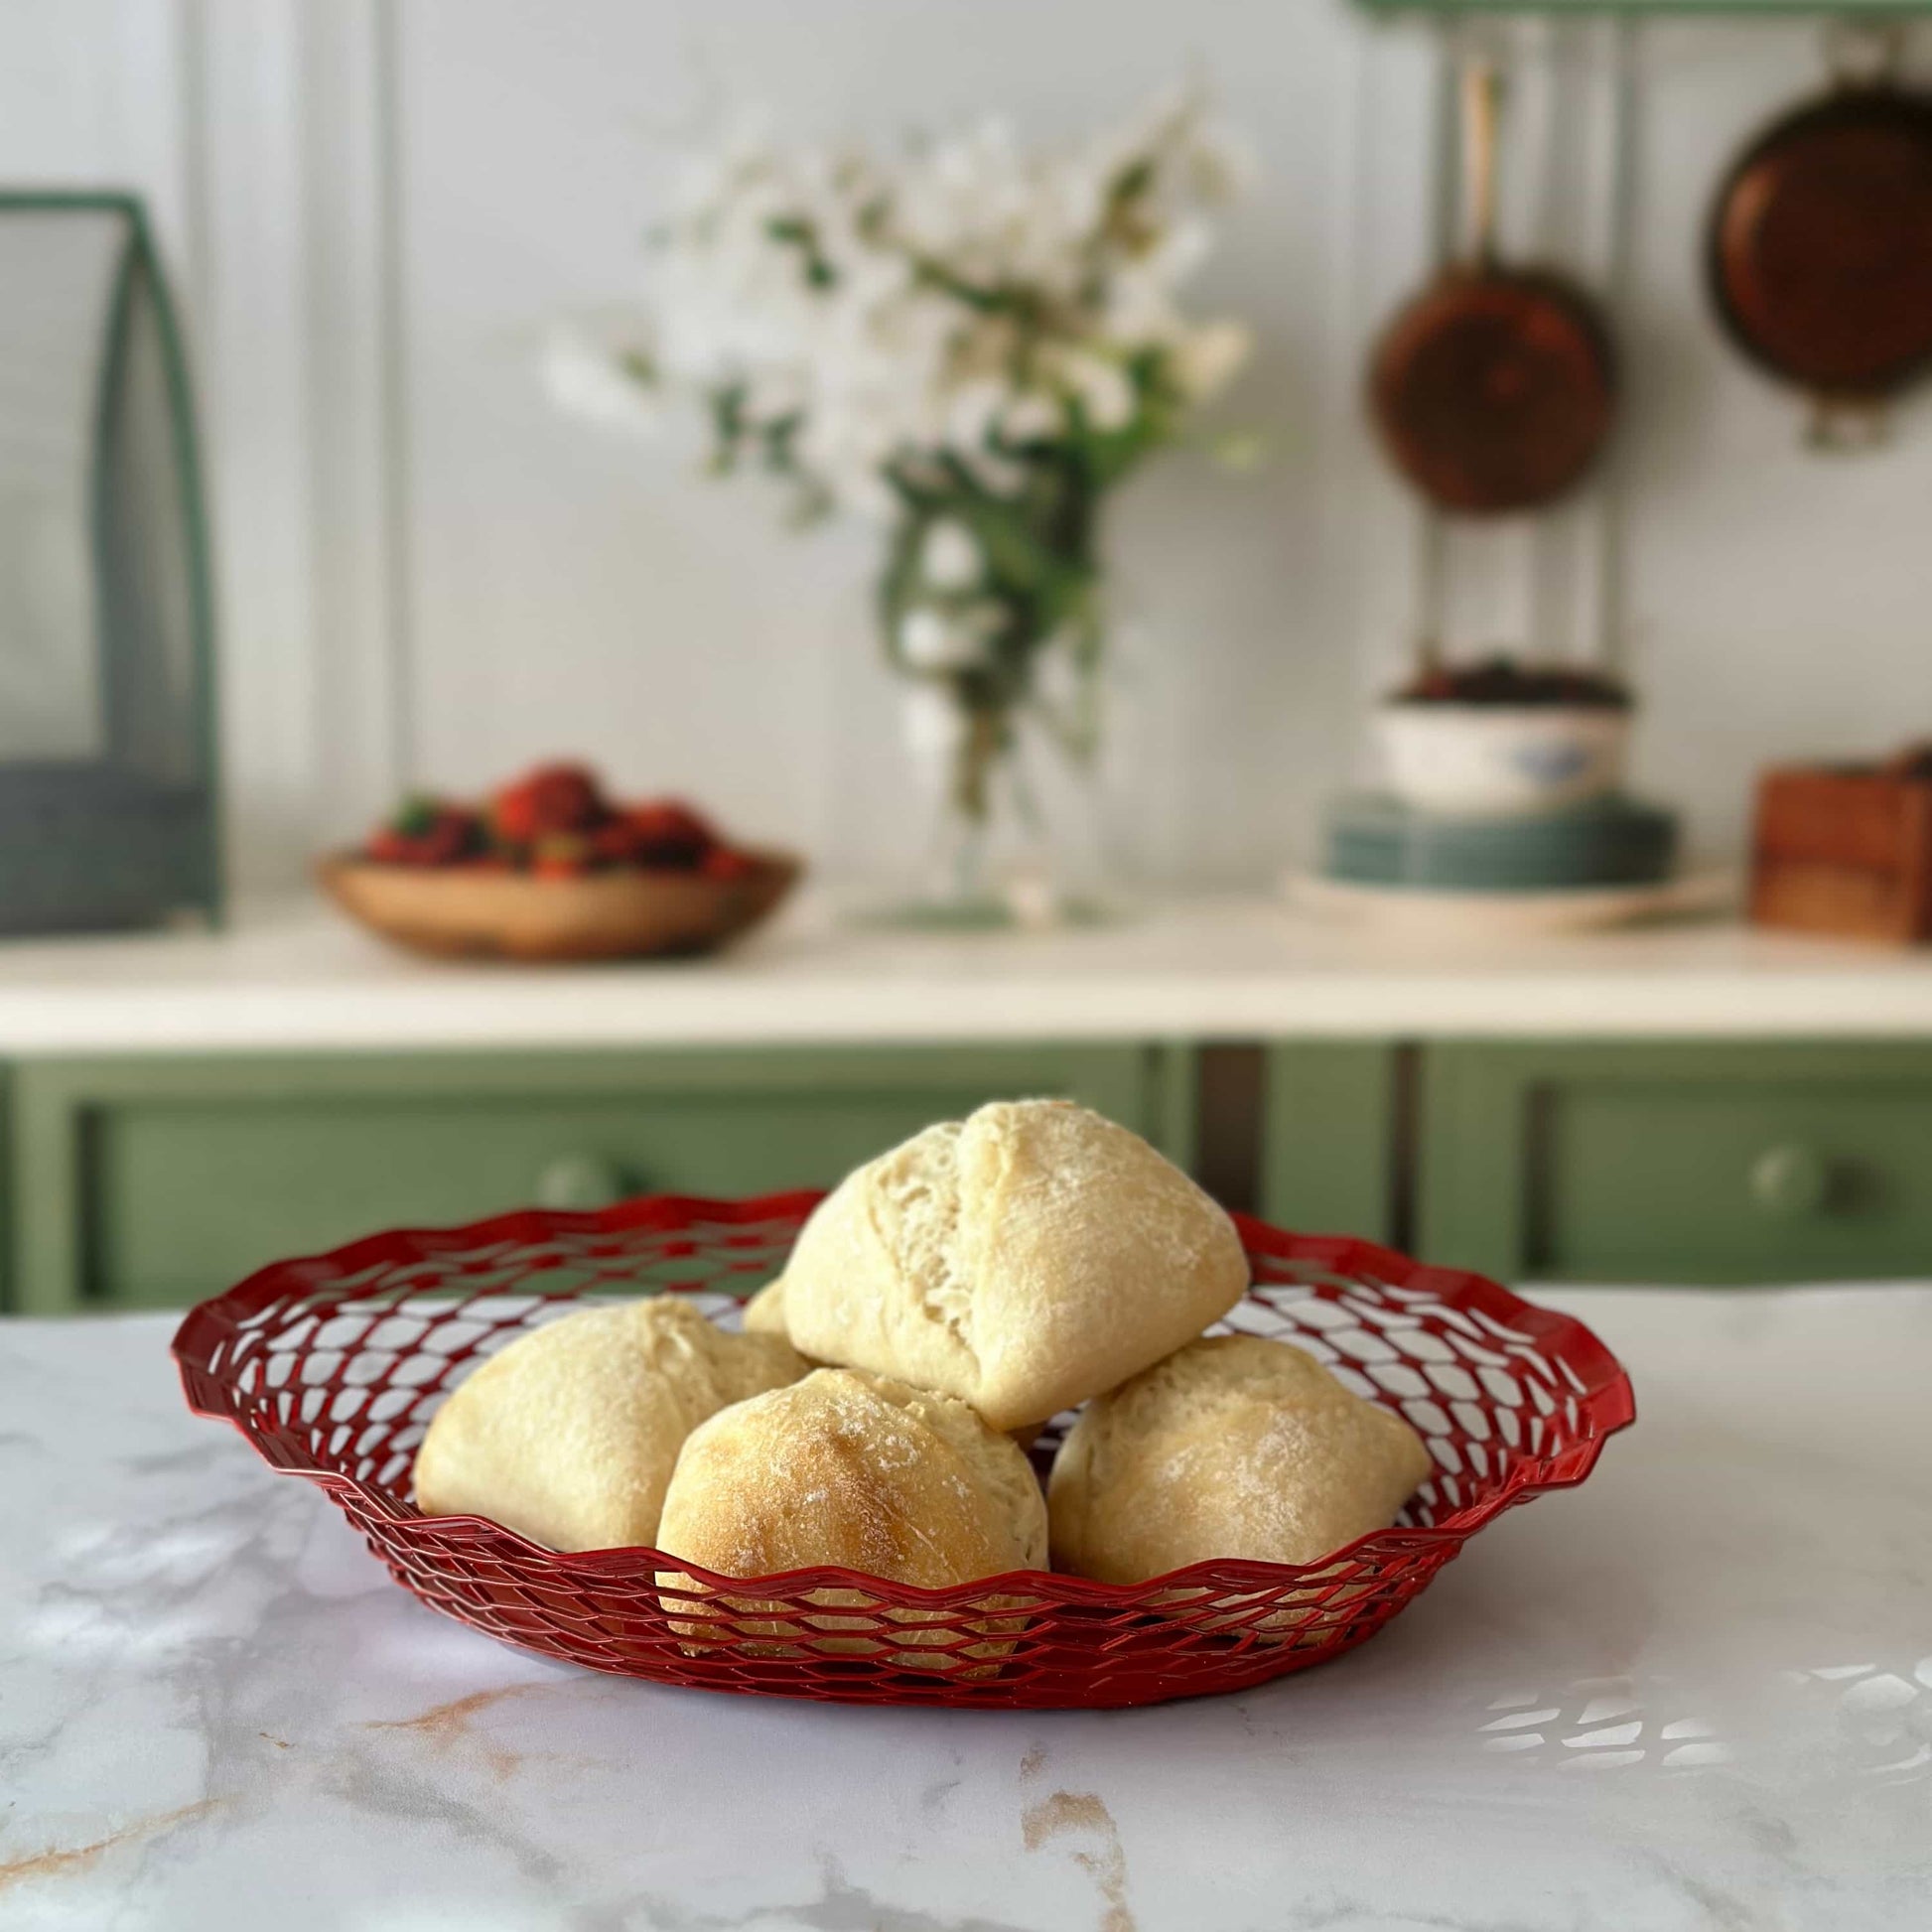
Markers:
point(1790, 1180)
point(577, 1183)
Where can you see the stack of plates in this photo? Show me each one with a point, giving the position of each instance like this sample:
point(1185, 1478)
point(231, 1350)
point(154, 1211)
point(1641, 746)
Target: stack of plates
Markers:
point(1374, 839)
point(1604, 861)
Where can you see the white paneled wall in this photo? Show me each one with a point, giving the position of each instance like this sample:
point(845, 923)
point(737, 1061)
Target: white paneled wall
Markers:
point(373, 205)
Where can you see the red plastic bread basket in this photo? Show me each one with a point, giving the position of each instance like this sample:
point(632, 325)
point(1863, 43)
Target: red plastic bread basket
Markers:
point(332, 1367)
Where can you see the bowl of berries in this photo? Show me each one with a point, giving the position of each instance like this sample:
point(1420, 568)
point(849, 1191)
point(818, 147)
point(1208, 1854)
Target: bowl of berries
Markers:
point(550, 868)
point(1504, 739)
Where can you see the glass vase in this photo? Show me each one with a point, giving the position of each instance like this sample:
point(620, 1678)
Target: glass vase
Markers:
point(1011, 818)
point(990, 608)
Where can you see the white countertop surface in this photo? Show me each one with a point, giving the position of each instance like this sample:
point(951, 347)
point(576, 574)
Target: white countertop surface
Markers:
point(1693, 1695)
point(298, 977)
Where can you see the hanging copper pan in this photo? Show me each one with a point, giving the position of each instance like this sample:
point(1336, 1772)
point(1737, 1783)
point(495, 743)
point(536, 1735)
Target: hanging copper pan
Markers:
point(1494, 388)
point(1819, 249)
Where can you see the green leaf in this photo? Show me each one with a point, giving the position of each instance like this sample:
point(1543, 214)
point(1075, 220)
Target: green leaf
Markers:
point(417, 814)
point(796, 231)
point(726, 405)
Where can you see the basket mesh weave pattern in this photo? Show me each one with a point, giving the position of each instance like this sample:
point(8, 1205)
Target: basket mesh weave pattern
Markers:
point(332, 1367)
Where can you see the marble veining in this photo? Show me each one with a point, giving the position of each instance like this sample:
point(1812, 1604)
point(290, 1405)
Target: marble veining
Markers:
point(1695, 1694)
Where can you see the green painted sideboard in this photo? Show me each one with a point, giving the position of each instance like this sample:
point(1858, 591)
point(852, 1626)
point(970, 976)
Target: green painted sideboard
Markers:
point(1334, 1132)
point(1664, 1161)
point(153, 1181)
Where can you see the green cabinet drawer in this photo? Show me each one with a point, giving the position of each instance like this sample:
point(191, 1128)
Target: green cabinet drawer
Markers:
point(1331, 1129)
point(1646, 1162)
point(155, 1182)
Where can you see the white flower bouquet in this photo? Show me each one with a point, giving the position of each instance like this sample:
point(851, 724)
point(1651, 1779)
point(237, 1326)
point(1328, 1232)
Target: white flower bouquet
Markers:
point(973, 344)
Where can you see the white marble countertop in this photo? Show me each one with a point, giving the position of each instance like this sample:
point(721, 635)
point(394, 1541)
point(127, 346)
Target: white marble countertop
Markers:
point(1694, 1696)
point(298, 977)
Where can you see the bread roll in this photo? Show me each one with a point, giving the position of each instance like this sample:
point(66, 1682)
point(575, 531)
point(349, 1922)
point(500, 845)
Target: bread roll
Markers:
point(860, 1472)
point(1233, 1447)
point(569, 1435)
point(1020, 1260)
point(765, 1313)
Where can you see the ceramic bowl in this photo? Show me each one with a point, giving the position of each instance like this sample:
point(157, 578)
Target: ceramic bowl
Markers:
point(1501, 761)
point(462, 912)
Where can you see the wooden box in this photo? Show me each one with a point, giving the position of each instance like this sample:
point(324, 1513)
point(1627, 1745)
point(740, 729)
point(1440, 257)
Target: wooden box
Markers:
point(1846, 849)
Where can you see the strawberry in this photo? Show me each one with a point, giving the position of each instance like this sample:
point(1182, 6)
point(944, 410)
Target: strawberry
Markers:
point(666, 833)
point(562, 855)
point(724, 862)
point(390, 848)
point(426, 831)
point(554, 799)
point(614, 843)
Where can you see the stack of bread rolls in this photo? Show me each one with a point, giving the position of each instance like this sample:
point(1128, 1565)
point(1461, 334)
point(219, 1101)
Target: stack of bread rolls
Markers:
point(942, 1302)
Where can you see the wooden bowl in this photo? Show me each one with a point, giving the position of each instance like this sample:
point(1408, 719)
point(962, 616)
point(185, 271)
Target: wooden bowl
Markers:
point(464, 912)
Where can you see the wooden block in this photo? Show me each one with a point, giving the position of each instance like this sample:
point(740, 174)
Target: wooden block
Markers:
point(1846, 850)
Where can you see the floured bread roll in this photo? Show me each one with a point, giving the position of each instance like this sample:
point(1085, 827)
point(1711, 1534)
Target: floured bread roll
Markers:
point(1233, 1447)
point(569, 1435)
point(765, 1313)
point(860, 1472)
point(1020, 1260)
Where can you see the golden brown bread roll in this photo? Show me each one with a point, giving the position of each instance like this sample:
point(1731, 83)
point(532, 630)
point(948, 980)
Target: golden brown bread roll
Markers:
point(855, 1471)
point(1020, 1260)
point(1233, 1447)
point(569, 1435)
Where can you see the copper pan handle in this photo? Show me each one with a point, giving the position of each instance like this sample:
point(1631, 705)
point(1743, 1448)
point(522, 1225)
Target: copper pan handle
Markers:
point(1480, 87)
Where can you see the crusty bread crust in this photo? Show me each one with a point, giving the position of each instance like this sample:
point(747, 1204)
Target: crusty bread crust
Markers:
point(855, 1471)
point(1233, 1447)
point(570, 1434)
point(1020, 1260)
